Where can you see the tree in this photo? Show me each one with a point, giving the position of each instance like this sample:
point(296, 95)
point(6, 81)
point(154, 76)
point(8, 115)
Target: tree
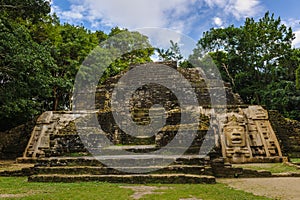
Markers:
point(39, 60)
point(171, 54)
point(282, 96)
point(298, 78)
point(24, 75)
point(69, 48)
point(32, 10)
point(255, 58)
point(24, 63)
point(69, 45)
point(101, 36)
point(130, 48)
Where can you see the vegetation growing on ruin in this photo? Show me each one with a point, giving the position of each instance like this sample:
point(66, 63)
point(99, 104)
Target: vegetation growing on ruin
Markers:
point(272, 167)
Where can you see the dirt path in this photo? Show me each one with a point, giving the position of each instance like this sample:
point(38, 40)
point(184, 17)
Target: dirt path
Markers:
point(276, 188)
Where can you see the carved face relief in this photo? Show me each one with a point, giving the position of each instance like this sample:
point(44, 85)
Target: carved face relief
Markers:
point(235, 135)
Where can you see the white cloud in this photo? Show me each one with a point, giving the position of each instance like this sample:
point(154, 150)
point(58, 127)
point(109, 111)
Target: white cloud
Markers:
point(237, 8)
point(185, 16)
point(243, 8)
point(291, 22)
point(295, 25)
point(218, 21)
point(131, 14)
point(216, 3)
point(75, 14)
point(296, 42)
point(175, 14)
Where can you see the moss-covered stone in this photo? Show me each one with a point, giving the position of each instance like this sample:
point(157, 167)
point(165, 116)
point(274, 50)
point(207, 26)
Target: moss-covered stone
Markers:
point(288, 133)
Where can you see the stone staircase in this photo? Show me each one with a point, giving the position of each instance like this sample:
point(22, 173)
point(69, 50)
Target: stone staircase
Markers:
point(49, 123)
point(39, 137)
point(187, 169)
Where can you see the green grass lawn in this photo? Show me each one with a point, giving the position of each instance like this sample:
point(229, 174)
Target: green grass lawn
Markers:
point(96, 190)
point(272, 167)
point(295, 160)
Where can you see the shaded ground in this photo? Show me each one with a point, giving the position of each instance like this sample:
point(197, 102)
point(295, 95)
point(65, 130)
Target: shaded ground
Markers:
point(276, 188)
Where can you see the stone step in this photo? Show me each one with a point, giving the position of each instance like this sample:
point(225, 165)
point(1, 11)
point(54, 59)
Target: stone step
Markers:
point(172, 169)
point(296, 163)
point(286, 174)
point(250, 173)
point(128, 147)
point(121, 160)
point(238, 172)
point(18, 172)
point(132, 179)
point(117, 149)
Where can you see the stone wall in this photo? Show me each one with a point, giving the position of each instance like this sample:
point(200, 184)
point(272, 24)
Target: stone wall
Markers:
point(65, 145)
point(288, 133)
point(151, 94)
point(14, 141)
point(242, 135)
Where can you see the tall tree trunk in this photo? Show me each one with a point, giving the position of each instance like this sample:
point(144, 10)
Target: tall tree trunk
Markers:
point(55, 99)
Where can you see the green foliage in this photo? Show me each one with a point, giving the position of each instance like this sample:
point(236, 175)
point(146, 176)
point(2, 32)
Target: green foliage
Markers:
point(32, 10)
point(283, 97)
point(69, 49)
point(298, 78)
point(258, 60)
point(39, 60)
point(186, 64)
point(24, 75)
point(69, 45)
point(101, 36)
point(171, 54)
point(128, 48)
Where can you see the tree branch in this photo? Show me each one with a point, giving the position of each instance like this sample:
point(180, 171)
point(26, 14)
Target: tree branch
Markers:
point(227, 72)
point(11, 6)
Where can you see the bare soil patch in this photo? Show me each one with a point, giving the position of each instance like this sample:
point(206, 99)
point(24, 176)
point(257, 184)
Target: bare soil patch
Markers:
point(140, 191)
point(276, 188)
point(11, 195)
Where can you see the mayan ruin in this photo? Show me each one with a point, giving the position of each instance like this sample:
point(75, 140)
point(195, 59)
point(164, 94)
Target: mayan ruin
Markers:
point(176, 100)
point(243, 135)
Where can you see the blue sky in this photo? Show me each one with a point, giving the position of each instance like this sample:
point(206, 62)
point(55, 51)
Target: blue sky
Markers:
point(189, 17)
